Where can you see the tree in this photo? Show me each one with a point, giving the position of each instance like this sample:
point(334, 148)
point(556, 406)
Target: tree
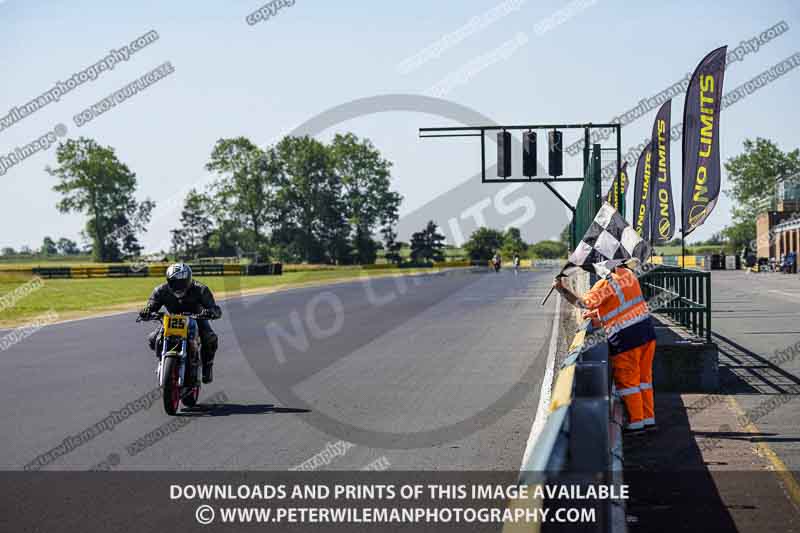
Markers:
point(300, 200)
point(191, 237)
point(391, 245)
point(67, 247)
point(48, 247)
point(548, 250)
point(753, 176)
point(311, 188)
point(427, 245)
point(333, 235)
point(366, 198)
point(513, 243)
point(9, 251)
point(740, 235)
point(129, 224)
point(483, 243)
point(94, 181)
point(223, 241)
point(247, 190)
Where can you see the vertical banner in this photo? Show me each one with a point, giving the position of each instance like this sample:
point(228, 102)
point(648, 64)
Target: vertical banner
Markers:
point(662, 209)
point(701, 165)
point(641, 193)
point(616, 194)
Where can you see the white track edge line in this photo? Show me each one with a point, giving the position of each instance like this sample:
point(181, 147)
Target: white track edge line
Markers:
point(547, 386)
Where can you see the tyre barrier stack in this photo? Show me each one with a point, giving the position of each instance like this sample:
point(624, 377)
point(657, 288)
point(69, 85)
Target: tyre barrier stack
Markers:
point(153, 271)
point(581, 441)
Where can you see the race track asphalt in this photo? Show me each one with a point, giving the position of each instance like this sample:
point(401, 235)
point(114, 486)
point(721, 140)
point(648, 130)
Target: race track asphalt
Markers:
point(434, 372)
point(756, 324)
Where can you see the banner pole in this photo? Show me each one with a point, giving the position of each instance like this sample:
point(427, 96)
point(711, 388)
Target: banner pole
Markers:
point(683, 244)
point(683, 218)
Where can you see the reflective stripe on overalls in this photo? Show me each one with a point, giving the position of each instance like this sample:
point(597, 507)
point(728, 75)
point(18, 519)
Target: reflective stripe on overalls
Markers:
point(627, 312)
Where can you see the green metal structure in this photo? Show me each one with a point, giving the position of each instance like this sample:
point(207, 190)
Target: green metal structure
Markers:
point(591, 198)
point(689, 292)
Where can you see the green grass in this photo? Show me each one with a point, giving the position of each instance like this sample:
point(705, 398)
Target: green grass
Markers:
point(449, 253)
point(72, 298)
point(690, 250)
point(670, 250)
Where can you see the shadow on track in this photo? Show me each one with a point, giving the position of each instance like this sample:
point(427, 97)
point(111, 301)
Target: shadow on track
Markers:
point(227, 409)
point(745, 372)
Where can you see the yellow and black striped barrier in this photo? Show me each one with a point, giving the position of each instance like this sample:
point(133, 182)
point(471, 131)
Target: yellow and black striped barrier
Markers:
point(690, 261)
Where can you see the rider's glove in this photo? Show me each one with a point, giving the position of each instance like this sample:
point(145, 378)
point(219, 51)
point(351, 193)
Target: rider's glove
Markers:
point(145, 312)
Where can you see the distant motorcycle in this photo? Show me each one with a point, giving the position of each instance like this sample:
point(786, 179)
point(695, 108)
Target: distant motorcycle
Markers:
point(179, 362)
point(496, 265)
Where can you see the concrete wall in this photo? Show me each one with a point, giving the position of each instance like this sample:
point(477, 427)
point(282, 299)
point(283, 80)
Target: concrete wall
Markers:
point(762, 235)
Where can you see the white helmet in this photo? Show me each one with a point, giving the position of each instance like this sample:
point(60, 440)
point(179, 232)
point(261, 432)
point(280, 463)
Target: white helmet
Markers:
point(179, 279)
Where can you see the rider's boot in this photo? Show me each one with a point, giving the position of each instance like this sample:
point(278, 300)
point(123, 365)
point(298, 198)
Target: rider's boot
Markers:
point(208, 372)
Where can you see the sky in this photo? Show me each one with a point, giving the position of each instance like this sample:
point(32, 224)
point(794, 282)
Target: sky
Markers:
point(381, 70)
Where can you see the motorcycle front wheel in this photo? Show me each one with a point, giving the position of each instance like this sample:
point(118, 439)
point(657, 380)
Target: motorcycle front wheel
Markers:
point(172, 390)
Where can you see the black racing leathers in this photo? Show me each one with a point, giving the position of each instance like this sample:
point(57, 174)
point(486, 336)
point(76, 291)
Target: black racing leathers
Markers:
point(198, 299)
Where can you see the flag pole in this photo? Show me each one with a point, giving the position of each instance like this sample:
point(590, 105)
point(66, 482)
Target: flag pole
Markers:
point(548, 295)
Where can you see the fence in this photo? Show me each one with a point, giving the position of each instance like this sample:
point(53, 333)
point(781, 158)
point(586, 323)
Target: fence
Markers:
point(128, 271)
point(691, 289)
point(581, 442)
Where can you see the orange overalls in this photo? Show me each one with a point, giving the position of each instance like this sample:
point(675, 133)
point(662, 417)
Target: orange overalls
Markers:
point(618, 302)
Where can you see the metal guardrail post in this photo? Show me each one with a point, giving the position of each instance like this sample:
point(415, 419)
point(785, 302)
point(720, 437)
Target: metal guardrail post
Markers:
point(590, 453)
point(591, 379)
point(708, 306)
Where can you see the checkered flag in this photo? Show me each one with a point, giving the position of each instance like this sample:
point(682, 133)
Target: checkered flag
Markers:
point(608, 242)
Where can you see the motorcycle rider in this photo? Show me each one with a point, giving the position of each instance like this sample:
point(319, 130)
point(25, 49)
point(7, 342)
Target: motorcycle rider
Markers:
point(496, 261)
point(181, 294)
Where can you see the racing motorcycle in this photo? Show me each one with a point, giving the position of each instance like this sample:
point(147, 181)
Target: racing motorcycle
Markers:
point(179, 361)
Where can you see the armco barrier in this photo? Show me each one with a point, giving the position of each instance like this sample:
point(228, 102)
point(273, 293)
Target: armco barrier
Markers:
point(581, 441)
point(89, 272)
point(126, 271)
point(156, 271)
point(51, 273)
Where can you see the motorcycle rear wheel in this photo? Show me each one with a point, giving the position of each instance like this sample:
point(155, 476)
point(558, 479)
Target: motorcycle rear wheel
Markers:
point(190, 398)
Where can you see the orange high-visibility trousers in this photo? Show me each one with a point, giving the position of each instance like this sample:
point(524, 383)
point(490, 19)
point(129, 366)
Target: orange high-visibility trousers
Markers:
point(627, 378)
point(646, 382)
